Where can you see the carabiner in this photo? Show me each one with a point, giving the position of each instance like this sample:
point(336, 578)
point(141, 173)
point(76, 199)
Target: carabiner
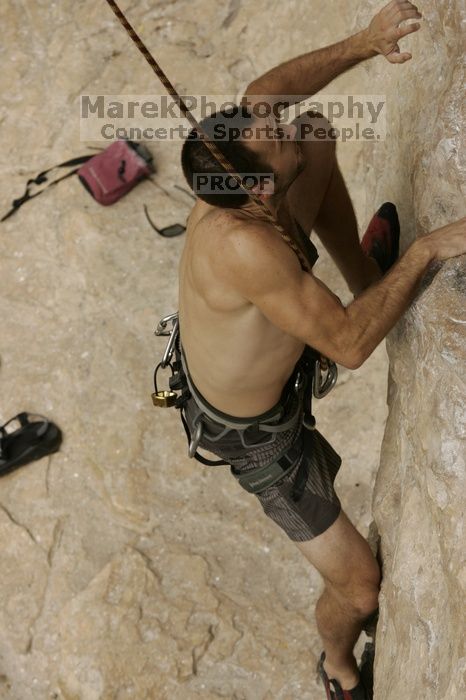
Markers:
point(321, 387)
point(162, 325)
point(168, 354)
point(173, 333)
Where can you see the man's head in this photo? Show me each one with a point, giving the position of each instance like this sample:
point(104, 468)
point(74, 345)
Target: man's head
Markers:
point(253, 145)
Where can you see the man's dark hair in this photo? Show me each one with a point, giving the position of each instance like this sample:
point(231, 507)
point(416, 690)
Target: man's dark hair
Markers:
point(196, 157)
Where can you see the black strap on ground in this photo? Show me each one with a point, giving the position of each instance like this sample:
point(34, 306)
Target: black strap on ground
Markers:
point(40, 179)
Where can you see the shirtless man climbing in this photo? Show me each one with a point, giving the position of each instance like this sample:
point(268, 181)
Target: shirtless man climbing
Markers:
point(247, 311)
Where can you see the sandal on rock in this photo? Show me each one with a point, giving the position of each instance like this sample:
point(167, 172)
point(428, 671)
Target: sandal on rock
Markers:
point(35, 438)
point(338, 693)
point(382, 238)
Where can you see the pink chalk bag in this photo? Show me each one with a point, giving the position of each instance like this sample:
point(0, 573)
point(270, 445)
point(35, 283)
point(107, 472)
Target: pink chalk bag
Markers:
point(107, 176)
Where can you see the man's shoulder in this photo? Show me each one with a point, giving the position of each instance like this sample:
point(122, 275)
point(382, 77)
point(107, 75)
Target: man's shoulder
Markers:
point(217, 220)
point(254, 259)
point(251, 244)
point(227, 230)
point(238, 244)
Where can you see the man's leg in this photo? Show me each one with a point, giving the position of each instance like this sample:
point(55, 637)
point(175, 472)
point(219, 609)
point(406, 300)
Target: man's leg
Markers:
point(308, 191)
point(352, 578)
point(319, 200)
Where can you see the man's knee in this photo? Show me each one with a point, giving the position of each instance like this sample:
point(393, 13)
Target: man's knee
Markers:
point(360, 594)
point(364, 602)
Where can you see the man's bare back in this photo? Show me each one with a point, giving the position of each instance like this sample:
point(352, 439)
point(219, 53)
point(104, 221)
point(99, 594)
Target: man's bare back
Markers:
point(240, 361)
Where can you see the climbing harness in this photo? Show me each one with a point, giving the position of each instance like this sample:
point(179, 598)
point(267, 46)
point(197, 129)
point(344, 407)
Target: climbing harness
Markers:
point(309, 378)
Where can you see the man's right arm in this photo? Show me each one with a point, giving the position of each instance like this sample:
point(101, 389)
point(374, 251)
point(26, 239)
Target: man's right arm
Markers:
point(377, 309)
point(264, 270)
point(374, 313)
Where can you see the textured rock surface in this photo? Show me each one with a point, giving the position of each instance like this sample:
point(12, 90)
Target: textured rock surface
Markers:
point(126, 569)
point(419, 497)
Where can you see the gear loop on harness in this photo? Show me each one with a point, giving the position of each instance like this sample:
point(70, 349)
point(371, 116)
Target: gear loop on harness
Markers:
point(196, 437)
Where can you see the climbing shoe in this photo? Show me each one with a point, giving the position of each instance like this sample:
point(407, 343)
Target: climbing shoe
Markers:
point(359, 692)
point(382, 238)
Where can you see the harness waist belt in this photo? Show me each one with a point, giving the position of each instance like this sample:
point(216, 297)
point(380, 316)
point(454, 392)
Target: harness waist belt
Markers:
point(238, 423)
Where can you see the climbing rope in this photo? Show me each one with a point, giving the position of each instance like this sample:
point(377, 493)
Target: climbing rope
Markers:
point(208, 142)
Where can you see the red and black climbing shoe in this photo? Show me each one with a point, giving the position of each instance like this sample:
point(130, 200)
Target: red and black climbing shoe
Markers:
point(382, 238)
point(337, 692)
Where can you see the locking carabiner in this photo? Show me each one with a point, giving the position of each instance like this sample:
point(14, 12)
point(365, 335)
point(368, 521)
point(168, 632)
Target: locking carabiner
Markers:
point(163, 399)
point(321, 387)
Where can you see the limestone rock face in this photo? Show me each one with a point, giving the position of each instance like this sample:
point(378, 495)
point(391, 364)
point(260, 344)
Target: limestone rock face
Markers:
point(419, 497)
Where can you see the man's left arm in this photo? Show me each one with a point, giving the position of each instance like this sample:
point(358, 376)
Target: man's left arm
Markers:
point(305, 75)
point(337, 228)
